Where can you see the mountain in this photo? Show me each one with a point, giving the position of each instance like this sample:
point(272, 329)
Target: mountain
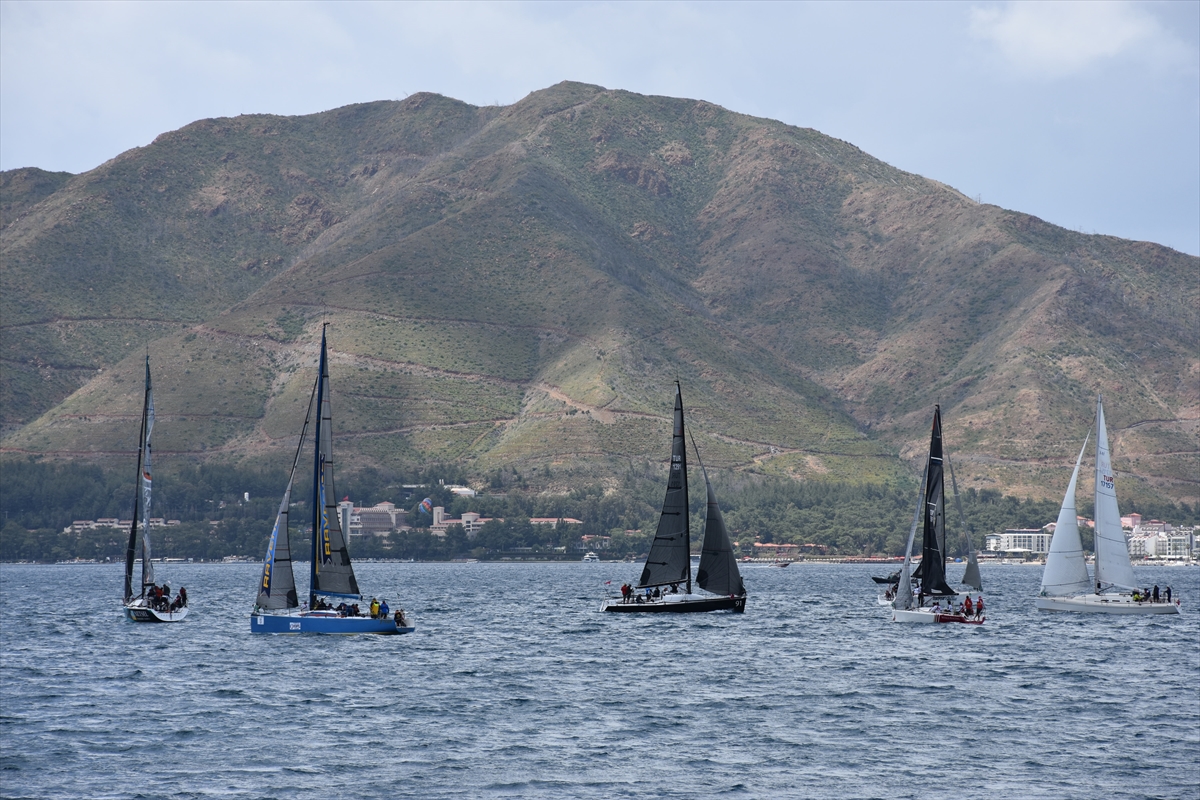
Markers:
point(520, 286)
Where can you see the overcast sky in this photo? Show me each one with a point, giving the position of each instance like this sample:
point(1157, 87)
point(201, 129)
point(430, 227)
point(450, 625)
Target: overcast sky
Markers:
point(1086, 114)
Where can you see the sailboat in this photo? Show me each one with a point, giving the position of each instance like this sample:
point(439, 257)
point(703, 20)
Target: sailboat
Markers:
point(146, 605)
point(669, 563)
point(1065, 582)
point(331, 573)
point(924, 604)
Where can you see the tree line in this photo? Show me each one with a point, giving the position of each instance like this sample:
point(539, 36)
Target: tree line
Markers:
point(39, 499)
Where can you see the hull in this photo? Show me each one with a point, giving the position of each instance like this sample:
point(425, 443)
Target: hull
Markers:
point(1105, 604)
point(928, 617)
point(324, 623)
point(140, 613)
point(677, 604)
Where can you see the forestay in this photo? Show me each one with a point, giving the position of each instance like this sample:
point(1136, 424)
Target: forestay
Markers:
point(277, 588)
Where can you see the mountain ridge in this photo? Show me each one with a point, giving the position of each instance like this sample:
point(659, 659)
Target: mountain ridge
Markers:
point(499, 269)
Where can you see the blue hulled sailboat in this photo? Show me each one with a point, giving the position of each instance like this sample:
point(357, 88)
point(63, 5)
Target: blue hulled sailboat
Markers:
point(331, 573)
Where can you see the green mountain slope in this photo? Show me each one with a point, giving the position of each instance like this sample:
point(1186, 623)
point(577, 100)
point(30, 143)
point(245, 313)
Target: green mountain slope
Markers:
point(521, 286)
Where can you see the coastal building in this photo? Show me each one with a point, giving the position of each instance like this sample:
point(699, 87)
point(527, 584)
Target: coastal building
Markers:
point(470, 521)
point(378, 520)
point(81, 525)
point(777, 550)
point(1173, 544)
point(1020, 540)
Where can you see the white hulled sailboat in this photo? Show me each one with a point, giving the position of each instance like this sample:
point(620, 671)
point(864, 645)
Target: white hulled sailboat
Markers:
point(924, 604)
point(1065, 582)
point(147, 604)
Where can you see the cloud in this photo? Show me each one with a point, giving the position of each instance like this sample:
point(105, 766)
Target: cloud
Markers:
point(1067, 37)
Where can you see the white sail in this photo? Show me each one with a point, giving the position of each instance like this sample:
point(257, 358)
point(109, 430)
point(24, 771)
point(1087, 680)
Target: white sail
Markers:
point(904, 590)
point(1113, 567)
point(1066, 572)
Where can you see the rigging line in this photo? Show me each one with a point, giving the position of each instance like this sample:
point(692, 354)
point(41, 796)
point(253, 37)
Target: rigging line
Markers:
point(699, 460)
point(962, 520)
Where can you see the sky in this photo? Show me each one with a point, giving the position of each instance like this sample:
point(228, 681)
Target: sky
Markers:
point(1086, 114)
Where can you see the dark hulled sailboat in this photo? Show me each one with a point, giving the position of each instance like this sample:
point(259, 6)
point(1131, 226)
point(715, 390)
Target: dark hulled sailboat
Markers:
point(669, 564)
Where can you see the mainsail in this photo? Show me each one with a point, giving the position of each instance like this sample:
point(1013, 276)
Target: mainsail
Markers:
point(141, 502)
point(718, 572)
point(1113, 567)
point(277, 587)
point(331, 571)
point(932, 570)
point(669, 560)
point(1066, 572)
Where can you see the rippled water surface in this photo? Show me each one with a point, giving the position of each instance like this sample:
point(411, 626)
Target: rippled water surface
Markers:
point(515, 685)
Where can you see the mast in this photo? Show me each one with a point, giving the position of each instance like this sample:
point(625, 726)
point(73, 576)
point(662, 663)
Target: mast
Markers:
point(687, 506)
point(331, 572)
point(318, 503)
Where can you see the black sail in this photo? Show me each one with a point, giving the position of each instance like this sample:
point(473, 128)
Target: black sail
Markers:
point(718, 571)
point(141, 503)
point(669, 560)
point(932, 570)
point(331, 571)
point(971, 575)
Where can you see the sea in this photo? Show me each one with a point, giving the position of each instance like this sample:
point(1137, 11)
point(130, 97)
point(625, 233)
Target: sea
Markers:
point(516, 685)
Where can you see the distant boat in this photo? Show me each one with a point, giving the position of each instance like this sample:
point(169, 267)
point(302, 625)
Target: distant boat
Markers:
point(331, 573)
point(926, 605)
point(590, 556)
point(1065, 582)
point(779, 562)
point(147, 605)
point(669, 564)
point(892, 579)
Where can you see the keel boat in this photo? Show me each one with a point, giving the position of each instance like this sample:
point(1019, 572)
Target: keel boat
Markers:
point(669, 566)
point(1113, 589)
point(151, 603)
point(331, 573)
